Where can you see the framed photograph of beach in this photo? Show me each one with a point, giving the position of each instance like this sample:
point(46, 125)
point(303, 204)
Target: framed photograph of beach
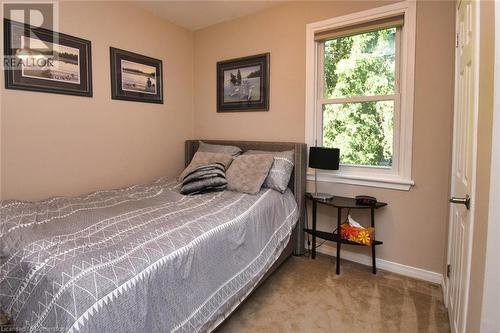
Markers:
point(135, 77)
point(42, 60)
point(243, 84)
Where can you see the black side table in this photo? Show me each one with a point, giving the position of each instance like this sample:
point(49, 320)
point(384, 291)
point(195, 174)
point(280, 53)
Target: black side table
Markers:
point(341, 203)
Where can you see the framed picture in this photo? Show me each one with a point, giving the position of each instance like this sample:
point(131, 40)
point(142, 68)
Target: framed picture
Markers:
point(38, 59)
point(135, 77)
point(243, 84)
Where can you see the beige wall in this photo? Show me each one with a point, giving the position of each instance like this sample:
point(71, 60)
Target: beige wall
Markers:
point(485, 119)
point(64, 145)
point(414, 226)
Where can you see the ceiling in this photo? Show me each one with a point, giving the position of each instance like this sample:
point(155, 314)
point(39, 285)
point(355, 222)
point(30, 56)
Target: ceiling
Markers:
point(194, 15)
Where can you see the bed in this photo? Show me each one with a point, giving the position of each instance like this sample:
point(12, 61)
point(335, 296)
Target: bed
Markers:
point(145, 258)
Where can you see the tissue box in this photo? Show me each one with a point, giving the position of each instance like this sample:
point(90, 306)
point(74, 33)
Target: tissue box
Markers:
point(364, 236)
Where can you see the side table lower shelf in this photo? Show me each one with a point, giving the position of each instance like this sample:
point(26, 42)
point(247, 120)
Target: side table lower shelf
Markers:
point(337, 239)
point(330, 236)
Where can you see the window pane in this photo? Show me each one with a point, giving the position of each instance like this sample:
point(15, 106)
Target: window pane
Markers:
point(360, 65)
point(362, 131)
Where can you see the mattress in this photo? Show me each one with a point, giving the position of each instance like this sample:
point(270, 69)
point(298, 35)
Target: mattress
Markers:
point(143, 258)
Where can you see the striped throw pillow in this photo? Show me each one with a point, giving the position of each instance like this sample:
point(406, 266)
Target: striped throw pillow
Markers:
point(205, 178)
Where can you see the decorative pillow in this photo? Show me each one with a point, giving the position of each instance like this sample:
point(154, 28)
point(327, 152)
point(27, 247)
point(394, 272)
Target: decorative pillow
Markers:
point(203, 158)
point(206, 178)
point(205, 171)
point(281, 171)
point(222, 149)
point(247, 172)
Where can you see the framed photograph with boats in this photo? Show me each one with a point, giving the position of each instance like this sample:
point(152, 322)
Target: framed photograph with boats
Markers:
point(243, 84)
point(38, 59)
point(135, 77)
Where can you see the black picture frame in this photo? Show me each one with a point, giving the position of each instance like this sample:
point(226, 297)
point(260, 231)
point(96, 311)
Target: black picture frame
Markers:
point(74, 77)
point(134, 89)
point(235, 93)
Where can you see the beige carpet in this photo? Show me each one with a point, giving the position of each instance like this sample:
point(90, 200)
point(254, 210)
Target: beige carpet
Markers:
point(306, 296)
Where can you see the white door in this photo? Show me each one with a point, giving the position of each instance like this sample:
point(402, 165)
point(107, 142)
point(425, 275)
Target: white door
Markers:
point(463, 172)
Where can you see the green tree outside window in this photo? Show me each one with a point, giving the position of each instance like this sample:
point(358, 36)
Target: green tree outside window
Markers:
point(360, 65)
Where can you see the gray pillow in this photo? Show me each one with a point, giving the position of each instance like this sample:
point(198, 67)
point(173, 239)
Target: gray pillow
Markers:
point(205, 178)
point(208, 185)
point(247, 172)
point(203, 158)
point(205, 171)
point(281, 171)
point(222, 149)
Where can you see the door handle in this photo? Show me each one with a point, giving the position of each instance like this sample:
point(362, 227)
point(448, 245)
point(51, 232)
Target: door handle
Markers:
point(464, 201)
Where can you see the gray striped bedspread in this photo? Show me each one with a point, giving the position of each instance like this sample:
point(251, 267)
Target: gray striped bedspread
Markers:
point(139, 259)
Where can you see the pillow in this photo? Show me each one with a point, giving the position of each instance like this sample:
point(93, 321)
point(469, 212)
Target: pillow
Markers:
point(205, 171)
point(203, 158)
point(247, 172)
point(206, 178)
point(222, 149)
point(281, 171)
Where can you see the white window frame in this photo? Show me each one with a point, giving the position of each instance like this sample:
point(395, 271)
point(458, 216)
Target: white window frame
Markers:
point(398, 176)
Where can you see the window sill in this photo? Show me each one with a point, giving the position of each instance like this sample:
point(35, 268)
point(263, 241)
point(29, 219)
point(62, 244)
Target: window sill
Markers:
point(387, 182)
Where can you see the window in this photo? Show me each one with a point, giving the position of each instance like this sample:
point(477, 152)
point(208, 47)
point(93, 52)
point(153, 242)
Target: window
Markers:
point(360, 94)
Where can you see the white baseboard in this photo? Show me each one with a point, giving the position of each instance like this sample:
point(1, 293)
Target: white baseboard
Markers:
point(390, 266)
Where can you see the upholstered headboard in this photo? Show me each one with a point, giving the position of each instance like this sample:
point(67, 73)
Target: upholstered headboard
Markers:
point(297, 181)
